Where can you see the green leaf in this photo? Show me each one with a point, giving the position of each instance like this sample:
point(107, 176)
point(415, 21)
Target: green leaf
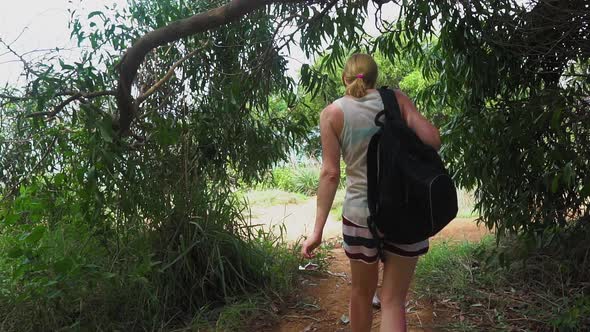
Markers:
point(51, 283)
point(35, 235)
point(106, 130)
point(55, 294)
point(555, 184)
point(65, 66)
point(63, 266)
point(15, 252)
point(11, 218)
point(59, 178)
point(96, 13)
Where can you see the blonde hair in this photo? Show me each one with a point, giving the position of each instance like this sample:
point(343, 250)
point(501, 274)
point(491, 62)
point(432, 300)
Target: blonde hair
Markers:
point(360, 74)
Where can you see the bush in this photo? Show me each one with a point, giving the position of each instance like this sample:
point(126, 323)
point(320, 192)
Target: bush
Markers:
point(69, 274)
point(303, 180)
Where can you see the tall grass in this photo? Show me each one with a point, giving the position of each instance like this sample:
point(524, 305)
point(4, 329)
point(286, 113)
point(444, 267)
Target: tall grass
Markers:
point(303, 180)
point(300, 178)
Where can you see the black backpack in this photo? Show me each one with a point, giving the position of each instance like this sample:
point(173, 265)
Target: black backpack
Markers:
point(410, 193)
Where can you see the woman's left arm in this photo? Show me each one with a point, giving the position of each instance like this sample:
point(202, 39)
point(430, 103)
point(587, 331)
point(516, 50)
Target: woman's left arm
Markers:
point(331, 123)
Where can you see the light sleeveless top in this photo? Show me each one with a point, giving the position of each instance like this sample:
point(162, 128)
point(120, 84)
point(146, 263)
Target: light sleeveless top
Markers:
point(359, 127)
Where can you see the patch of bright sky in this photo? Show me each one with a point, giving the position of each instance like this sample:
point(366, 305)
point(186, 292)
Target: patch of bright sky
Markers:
point(37, 25)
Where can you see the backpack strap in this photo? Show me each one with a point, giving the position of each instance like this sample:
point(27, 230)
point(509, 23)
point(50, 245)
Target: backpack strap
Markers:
point(391, 105)
point(373, 188)
point(373, 173)
point(393, 115)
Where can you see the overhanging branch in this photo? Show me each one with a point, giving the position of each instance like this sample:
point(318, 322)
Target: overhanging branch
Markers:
point(135, 55)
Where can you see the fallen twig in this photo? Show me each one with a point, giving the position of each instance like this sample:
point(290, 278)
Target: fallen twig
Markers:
point(303, 317)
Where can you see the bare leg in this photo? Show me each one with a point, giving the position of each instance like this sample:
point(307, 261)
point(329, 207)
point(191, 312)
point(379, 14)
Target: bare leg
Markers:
point(397, 276)
point(364, 283)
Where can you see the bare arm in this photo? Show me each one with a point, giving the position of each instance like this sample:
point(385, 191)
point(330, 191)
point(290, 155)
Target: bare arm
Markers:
point(425, 130)
point(331, 122)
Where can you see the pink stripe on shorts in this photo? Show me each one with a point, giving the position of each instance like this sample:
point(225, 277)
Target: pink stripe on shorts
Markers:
point(359, 244)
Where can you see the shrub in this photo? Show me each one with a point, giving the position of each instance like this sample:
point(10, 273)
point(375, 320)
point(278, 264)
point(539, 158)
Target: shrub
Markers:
point(65, 276)
point(302, 179)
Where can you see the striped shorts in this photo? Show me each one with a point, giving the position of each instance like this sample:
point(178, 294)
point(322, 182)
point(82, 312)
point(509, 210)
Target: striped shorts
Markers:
point(359, 244)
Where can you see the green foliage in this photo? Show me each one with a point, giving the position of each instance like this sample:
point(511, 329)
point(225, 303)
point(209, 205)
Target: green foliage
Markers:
point(442, 268)
point(148, 227)
point(303, 180)
point(64, 276)
point(509, 90)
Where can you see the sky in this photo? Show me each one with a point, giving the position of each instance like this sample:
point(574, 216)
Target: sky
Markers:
point(38, 24)
point(43, 24)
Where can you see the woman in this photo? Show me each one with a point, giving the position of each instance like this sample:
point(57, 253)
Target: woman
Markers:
point(346, 127)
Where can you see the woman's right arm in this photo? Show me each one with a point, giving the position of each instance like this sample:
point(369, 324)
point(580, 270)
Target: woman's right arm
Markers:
point(425, 130)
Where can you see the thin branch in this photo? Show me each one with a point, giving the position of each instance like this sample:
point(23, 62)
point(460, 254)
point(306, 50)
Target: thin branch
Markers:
point(20, 57)
point(12, 98)
point(19, 35)
point(166, 77)
point(288, 39)
point(73, 97)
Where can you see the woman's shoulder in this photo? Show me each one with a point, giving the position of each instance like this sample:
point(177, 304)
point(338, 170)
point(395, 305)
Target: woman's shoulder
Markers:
point(333, 110)
point(333, 116)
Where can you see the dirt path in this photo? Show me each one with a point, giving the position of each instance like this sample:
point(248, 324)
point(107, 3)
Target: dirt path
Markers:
point(323, 296)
